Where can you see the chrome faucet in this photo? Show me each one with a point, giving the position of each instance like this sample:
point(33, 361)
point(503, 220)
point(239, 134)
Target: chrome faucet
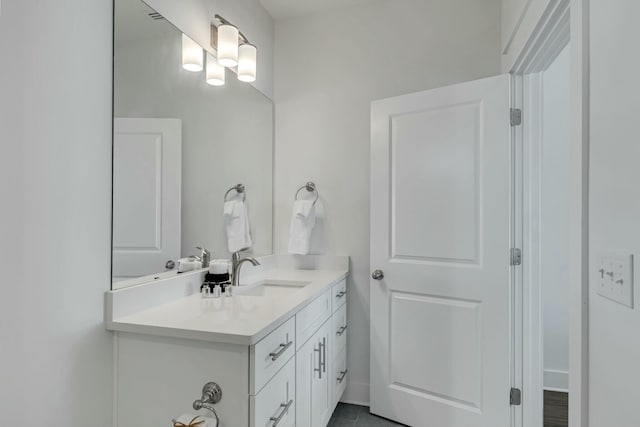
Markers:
point(236, 263)
point(205, 256)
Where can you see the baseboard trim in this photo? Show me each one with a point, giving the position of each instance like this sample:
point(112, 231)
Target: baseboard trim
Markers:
point(356, 394)
point(555, 380)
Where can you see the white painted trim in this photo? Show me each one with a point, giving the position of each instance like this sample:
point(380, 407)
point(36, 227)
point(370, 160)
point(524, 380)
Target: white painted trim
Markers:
point(517, 216)
point(536, 56)
point(116, 386)
point(579, 232)
point(547, 41)
point(356, 393)
point(529, 147)
point(555, 380)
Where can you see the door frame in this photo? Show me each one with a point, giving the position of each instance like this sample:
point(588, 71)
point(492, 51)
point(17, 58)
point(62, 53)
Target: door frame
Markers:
point(564, 20)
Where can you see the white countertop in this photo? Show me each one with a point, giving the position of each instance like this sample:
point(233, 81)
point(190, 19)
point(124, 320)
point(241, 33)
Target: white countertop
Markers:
point(240, 319)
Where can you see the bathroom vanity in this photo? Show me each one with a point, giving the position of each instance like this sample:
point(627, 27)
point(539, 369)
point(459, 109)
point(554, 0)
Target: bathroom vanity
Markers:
point(277, 347)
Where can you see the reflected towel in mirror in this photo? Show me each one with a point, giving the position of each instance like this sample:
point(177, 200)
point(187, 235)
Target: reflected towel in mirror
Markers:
point(237, 223)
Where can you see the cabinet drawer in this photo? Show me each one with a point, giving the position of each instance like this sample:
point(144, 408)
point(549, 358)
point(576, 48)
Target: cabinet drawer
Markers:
point(339, 331)
point(270, 354)
point(310, 318)
point(339, 377)
point(339, 295)
point(275, 405)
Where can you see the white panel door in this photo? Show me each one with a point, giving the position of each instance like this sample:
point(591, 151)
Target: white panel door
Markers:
point(440, 233)
point(147, 168)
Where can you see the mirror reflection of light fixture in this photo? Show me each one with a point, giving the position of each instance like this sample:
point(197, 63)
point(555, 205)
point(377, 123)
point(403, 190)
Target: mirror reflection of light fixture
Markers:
point(247, 54)
point(228, 45)
point(215, 71)
point(191, 55)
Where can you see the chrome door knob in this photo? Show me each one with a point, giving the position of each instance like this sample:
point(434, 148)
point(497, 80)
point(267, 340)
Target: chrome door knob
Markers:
point(377, 275)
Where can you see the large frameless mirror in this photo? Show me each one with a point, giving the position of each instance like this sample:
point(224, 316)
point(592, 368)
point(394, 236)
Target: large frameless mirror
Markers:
point(179, 144)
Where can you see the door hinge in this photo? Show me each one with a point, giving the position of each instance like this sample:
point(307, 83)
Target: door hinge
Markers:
point(515, 397)
point(516, 117)
point(516, 256)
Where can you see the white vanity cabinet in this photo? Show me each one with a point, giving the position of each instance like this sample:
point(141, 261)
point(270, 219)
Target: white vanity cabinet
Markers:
point(293, 376)
point(313, 380)
point(321, 361)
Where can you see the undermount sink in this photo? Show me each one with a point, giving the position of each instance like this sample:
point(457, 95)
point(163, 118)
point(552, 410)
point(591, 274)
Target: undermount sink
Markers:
point(271, 287)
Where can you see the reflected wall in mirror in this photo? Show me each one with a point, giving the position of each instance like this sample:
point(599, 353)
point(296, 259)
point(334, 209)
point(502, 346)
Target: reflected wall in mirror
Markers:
point(179, 145)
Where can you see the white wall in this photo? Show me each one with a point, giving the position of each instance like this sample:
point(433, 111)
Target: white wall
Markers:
point(328, 68)
point(194, 18)
point(227, 138)
point(555, 221)
point(614, 337)
point(55, 127)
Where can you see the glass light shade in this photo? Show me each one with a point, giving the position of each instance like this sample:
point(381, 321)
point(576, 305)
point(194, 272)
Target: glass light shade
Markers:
point(215, 71)
point(191, 55)
point(247, 54)
point(228, 45)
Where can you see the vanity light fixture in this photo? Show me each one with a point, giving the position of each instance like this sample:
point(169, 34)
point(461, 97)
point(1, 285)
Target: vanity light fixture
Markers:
point(215, 71)
point(247, 62)
point(192, 55)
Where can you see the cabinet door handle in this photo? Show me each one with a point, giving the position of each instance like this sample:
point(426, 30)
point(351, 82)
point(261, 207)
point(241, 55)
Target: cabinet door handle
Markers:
point(342, 375)
point(285, 408)
point(324, 353)
point(280, 351)
point(319, 368)
point(341, 294)
point(341, 330)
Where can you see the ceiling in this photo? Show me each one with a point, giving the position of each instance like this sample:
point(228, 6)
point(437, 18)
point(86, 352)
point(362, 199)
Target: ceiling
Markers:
point(283, 9)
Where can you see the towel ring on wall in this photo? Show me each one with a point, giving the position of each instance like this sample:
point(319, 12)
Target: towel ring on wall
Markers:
point(310, 187)
point(238, 189)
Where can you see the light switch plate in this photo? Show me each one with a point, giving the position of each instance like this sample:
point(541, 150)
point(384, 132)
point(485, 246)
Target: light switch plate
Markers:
point(614, 278)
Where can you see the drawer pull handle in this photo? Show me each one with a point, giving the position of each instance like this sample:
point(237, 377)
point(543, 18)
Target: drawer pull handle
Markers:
point(283, 347)
point(324, 354)
point(285, 406)
point(341, 330)
point(341, 294)
point(322, 358)
point(342, 375)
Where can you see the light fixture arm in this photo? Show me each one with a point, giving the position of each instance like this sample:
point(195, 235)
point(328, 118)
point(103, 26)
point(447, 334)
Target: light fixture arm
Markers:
point(214, 29)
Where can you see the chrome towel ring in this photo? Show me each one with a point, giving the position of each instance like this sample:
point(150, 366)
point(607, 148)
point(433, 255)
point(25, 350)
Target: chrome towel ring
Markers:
point(311, 188)
point(238, 189)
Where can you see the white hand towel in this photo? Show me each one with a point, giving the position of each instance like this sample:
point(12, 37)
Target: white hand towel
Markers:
point(186, 419)
point(302, 208)
point(302, 222)
point(238, 228)
point(231, 209)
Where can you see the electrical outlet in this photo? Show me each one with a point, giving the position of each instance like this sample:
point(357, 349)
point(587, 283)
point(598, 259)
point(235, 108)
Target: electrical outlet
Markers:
point(615, 278)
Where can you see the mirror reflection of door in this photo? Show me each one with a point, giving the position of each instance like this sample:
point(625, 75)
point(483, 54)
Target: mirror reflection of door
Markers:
point(146, 195)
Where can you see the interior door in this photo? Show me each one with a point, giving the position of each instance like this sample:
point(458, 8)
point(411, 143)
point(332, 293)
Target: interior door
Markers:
point(440, 238)
point(147, 175)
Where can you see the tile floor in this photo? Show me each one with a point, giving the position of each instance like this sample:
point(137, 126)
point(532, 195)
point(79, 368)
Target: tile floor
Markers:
point(357, 416)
